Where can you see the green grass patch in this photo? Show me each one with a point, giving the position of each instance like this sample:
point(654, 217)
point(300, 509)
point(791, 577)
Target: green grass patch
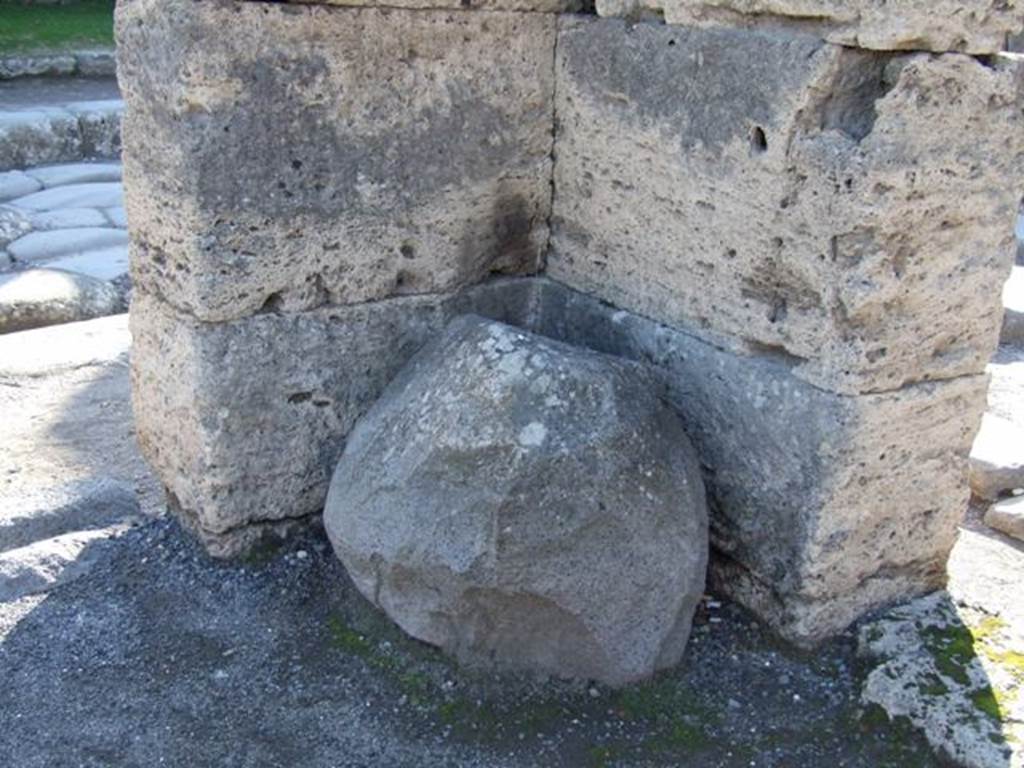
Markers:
point(55, 27)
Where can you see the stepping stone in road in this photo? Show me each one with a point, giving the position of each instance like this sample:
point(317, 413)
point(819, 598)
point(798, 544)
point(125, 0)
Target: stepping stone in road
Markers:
point(73, 173)
point(102, 263)
point(17, 184)
point(70, 218)
point(117, 217)
point(34, 298)
point(36, 246)
point(91, 195)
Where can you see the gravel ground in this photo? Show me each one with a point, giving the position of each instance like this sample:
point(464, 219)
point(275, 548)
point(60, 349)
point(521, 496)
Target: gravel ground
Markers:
point(161, 656)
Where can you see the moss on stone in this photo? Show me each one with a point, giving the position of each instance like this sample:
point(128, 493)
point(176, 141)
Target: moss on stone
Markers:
point(987, 701)
point(952, 649)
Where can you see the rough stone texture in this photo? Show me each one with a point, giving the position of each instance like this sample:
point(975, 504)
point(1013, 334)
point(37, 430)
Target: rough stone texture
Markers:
point(27, 65)
point(75, 173)
point(828, 224)
point(87, 63)
point(56, 134)
point(970, 26)
point(89, 195)
point(17, 183)
point(109, 263)
point(239, 442)
point(65, 242)
point(33, 298)
point(516, 500)
point(535, 6)
point(65, 218)
point(14, 223)
point(847, 209)
point(1006, 390)
point(951, 662)
point(1013, 308)
point(823, 506)
point(1007, 516)
point(936, 674)
point(316, 155)
point(997, 458)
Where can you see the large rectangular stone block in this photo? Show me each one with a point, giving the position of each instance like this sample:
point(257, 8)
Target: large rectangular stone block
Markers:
point(824, 506)
point(969, 26)
point(770, 191)
point(243, 421)
point(284, 157)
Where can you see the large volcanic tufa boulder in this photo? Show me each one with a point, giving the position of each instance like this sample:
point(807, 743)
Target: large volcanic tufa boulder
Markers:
point(523, 502)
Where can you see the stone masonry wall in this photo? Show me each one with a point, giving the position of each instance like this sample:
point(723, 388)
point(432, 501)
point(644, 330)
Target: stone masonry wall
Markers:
point(796, 211)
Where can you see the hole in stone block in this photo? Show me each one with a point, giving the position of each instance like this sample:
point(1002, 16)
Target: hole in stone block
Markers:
point(758, 141)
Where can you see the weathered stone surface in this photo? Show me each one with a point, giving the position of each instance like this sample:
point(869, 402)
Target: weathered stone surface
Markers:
point(65, 242)
point(1007, 516)
point(823, 506)
point(1006, 388)
point(535, 6)
point(109, 263)
point(88, 63)
point(519, 501)
point(951, 662)
point(39, 135)
point(96, 63)
point(14, 223)
point(940, 669)
point(67, 218)
point(318, 155)
point(34, 298)
point(239, 442)
point(75, 173)
point(1013, 308)
point(25, 65)
point(848, 209)
point(997, 458)
point(89, 195)
point(17, 183)
point(970, 26)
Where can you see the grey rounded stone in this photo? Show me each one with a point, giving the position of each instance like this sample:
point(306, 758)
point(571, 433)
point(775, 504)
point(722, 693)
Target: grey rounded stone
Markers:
point(521, 502)
point(34, 298)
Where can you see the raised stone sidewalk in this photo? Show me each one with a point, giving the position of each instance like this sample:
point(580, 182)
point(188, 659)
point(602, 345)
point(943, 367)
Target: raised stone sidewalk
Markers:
point(58, 120)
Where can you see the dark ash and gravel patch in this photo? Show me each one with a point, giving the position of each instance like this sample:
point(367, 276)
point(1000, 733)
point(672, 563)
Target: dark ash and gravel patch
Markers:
point(160, 656)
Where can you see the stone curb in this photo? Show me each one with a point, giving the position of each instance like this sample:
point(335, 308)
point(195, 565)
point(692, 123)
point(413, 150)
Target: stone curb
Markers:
point(99, 62)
